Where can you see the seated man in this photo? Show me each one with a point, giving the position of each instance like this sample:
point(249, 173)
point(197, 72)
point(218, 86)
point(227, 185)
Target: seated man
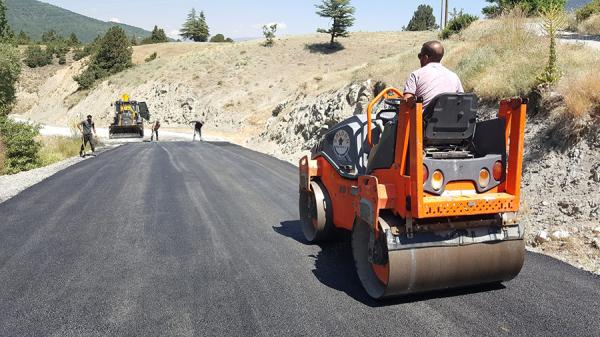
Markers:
point(433, 78)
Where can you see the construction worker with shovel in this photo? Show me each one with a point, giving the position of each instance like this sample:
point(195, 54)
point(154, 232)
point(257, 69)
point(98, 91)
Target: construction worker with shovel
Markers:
point(86, 128)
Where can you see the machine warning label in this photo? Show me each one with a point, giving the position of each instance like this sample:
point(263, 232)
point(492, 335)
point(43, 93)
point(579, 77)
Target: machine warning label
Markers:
point(341, 143)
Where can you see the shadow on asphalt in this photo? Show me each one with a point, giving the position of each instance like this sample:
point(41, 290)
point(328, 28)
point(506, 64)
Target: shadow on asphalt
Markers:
point(334, 267)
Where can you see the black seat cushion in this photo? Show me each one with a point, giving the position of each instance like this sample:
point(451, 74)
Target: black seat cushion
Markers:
point(450, 119)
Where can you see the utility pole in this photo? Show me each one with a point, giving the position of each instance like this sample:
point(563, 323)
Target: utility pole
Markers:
point(442, 16)
point(446, 15)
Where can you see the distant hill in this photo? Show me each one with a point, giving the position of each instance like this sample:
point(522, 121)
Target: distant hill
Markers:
point(36, 17)
point(574, 4)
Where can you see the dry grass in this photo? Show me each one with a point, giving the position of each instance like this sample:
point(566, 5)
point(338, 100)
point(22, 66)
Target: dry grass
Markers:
point(55, 149)
point(583, 95)
point(591, 25)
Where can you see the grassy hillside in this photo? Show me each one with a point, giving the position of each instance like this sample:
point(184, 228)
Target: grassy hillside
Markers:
point(35, 17)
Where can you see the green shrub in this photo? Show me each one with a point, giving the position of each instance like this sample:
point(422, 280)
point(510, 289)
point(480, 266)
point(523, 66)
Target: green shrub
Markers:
point(529, 7)
point(459, 22)
point(21, 153)
point(62, 60)
point(218, 38)
point(151, 58)
point(35, 57)
point(10, 69)
point(80, 53)
point(588, 10)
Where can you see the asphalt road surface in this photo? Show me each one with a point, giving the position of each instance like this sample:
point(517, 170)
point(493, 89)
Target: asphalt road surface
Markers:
point(182, 239)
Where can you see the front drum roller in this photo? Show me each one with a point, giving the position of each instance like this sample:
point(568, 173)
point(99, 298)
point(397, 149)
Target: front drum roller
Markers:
point(417, 270)
point(316, 213)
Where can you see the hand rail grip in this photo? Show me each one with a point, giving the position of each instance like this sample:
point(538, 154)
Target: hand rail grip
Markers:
point(384, 93)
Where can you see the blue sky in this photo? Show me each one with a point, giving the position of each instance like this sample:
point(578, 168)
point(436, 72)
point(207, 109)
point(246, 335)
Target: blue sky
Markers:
point(237, 18)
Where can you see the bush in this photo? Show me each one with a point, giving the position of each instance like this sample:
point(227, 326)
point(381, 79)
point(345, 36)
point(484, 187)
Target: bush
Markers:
point(529, 7)
point(80, 53)
point(459, 22)
point(35, 57)
point(21, 153)
point(588, 10)
point(590, 26)
point(218, 38)
point(10, 69)
point(62, 60)
point(151, 58)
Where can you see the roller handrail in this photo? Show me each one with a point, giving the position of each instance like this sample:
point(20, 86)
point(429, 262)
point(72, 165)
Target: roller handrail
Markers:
point(383, 94)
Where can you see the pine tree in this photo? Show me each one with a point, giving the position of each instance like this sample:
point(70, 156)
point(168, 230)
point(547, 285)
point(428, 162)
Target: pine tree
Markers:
point(23, 38)
point(5, 31)
point(195, 27)
point(423, 19)
point(204, 31)
point(112, 54)
point(158, 36)
point(73, 40)
point(189, 27)
point(50, 36)
point(341, 13)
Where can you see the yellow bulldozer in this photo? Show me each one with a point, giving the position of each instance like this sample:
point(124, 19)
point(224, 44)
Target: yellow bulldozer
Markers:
point(128, 121)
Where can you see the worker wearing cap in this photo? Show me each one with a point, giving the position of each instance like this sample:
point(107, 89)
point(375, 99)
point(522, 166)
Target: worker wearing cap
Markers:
point(432, 79)
point(86, 128)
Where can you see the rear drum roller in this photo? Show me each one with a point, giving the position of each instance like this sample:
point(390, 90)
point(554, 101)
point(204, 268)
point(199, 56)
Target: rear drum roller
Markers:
point(386, 273)
point(316, 213)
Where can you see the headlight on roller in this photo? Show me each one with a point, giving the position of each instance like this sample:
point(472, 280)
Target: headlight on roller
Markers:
point(484, 178)
point(437, 180)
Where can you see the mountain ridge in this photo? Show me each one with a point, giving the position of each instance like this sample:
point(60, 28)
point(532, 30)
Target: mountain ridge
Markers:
point(36, 17)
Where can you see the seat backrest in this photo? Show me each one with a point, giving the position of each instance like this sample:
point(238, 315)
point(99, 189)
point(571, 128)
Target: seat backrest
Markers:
point(450, 119)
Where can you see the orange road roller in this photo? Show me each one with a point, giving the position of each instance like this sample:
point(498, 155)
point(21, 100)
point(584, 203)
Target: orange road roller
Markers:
point(430, 195)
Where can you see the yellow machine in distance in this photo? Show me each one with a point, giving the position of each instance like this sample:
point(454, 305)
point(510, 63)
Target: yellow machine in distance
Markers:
point(128, 121)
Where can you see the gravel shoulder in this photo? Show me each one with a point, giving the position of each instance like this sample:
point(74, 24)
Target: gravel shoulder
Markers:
point(11, 185)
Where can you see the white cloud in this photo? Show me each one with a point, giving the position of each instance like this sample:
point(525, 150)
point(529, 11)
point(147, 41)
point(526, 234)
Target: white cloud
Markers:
point(174, 34)
point(115, 20)
point(280, 25)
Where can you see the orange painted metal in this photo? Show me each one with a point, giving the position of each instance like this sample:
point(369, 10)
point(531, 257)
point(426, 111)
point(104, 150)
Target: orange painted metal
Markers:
point(388, 93)
point(403, 194)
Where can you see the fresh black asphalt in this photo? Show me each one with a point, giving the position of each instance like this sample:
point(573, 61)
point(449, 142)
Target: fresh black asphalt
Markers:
point(184, 239)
